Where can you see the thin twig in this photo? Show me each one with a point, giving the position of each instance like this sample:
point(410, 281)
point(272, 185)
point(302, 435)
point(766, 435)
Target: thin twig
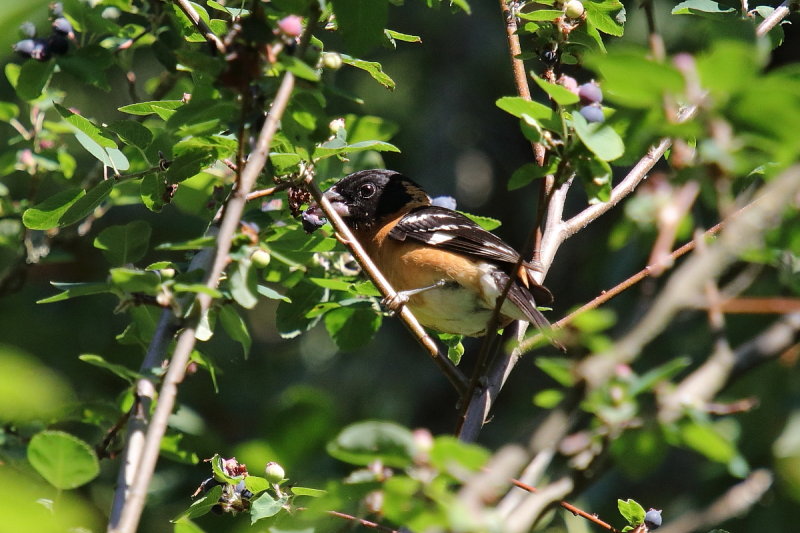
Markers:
point(347, 237)
point(569, 507)
point(207, 33)
point(362, 521)
point(775, 18)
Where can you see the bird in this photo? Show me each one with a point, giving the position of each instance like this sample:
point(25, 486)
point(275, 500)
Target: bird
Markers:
point(446, 268)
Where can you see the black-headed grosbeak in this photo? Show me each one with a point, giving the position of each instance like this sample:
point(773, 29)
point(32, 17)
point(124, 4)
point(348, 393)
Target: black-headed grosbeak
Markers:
point(446, 268)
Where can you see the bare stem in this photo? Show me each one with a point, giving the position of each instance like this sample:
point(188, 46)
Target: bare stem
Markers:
point(209, 35)
point(775, 18)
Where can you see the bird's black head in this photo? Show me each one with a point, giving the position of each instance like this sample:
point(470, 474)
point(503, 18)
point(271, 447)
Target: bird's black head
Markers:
point(370, 197)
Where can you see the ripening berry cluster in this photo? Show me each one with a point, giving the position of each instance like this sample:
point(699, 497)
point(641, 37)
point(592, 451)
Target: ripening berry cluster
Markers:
point(590, 98)
point(43, 48)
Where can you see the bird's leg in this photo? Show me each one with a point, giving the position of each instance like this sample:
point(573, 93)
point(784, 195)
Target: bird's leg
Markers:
point(396, 302)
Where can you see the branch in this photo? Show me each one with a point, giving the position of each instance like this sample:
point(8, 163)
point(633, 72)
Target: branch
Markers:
point(409, 320)
point(134, 505)
point(193, 16)
point(775, 18)
point(741, 233)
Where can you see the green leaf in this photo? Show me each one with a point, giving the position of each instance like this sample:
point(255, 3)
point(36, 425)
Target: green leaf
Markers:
point(558, 368)
point(631, 511)
point(132, 280)
point(542, 15)
point(598, 15)
point(299, 68)
point(8, 111)
point(162, 108)
point(364, 442)
point(373, 69)
point(527, 173)
point(73, 290)
point(85, 125)
point(448, 452)
point(124, 244)
point(203, 505)
point(89, 64)
point(290, 318)
point(118, 370)
point(486, 223)
point(66, 207)
point(33, 76)
point(369, 128)
point(110, 157)
point(560, 95)
point(184, 525)
point(600, 139)
point(306, 491)
point(653, 79)
point(397, 36)
point(548, 398)
point(519, 106)
point(29, 389)
point(132, 132)
point(691, 7)
point(187, 165)
point(703, 438)
point(243, 283)
point(265, 506)
point(361, 23)
point(658, 374)
point(333, 147)
point(352, 327)
point(64, 460)
point(235, 327)
point(171, 449)
point(256, 484)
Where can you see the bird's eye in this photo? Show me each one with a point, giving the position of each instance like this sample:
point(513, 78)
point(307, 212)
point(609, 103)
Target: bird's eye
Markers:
point(366, 190)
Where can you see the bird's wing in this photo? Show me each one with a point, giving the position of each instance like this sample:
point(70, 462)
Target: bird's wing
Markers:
point(452, 231)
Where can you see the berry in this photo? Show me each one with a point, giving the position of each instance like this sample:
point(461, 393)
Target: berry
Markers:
point(590, 93)
point(62, 26)
point(274, 472)
point(332, 60)
point(260, 258)
point(58, 44)
point(291, 26)
point(569, 83)
point(25, 47)
point(573, 9)
point(27, 30)
point(56, 9)
point(652, 519)
point(592, 113)
point(33, 48)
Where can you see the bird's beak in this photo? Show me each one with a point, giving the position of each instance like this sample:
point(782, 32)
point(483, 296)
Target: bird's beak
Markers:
point(314, 218)
point(337, 202)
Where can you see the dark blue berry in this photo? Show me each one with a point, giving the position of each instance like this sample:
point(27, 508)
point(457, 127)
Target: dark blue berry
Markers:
point(592, 113)
point(590, 93)
point(58, 44)
point(62, 26)
point(25, 47)
point(27, 29)
point(652, 519)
